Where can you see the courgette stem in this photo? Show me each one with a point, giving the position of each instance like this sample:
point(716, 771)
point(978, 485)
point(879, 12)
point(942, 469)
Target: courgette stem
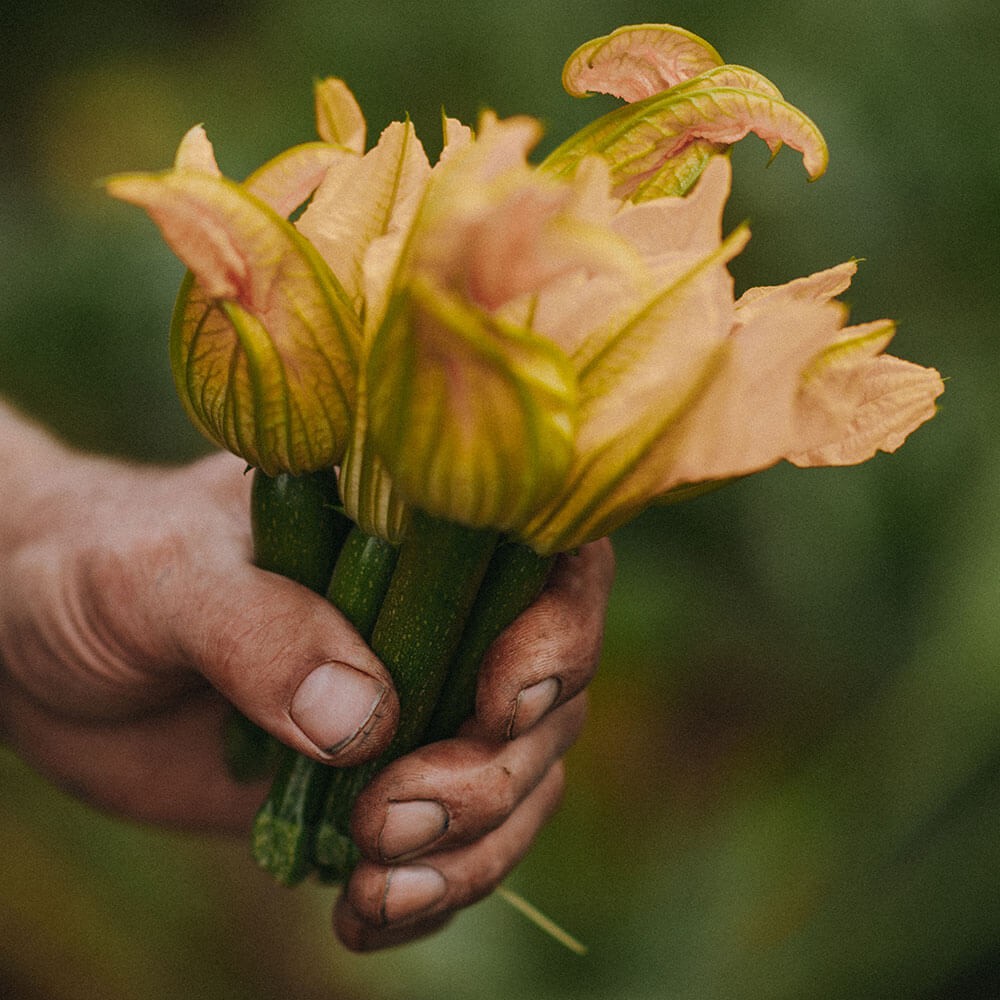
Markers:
point(361, 579)
point(515, 577)
point(440, 569)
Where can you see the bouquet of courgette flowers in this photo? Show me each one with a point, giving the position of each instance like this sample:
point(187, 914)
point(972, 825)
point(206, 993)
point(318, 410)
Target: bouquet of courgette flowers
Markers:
point(444, 375)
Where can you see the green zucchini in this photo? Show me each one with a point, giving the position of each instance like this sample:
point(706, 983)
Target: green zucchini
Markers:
point(298, 530)
point(440, 569)
point(297, 526)
point(515, 577)
point(285, 828)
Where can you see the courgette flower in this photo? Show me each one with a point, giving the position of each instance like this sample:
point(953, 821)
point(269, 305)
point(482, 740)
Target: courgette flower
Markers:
point(543, 350)
point(265, 341)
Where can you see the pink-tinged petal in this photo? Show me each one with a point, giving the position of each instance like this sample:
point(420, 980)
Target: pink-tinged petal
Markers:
point(652, 353)
point(857, 401)
point(195, 153)
point(793, 384)
point(741, 77)
point(264, 346)
point(637, 61)
point(287, 181)
point(363, 200)
point(637, 376)
point(339, 119)
point(492, 229)
point(746, 417)
point(473, 419)
point(819, 287)
point(456, 136)
point(691, 226)
point(668, 235)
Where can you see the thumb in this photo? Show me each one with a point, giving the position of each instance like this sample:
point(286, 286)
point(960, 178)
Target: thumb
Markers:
point(289, 661)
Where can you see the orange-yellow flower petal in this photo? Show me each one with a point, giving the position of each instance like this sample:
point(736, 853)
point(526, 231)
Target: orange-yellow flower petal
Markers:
point(362, 200)
point(280, 392)
point(473, 418)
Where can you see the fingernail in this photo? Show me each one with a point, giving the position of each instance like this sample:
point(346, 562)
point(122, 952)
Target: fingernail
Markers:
point(335, 704)
point(410, 891)
point(411, 826)
point(532, 703)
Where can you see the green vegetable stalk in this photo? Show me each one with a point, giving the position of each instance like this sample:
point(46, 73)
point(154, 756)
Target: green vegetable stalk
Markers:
point(430, 611)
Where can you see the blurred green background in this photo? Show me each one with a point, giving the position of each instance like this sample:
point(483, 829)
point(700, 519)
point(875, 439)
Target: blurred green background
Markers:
point(789, 785)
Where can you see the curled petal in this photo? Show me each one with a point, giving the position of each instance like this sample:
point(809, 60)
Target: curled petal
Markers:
point(637, 61)
point(638, 140)
point(473, 419)
point(288, 180)
point(281, 319)
point(339, 119)
point(741, 77)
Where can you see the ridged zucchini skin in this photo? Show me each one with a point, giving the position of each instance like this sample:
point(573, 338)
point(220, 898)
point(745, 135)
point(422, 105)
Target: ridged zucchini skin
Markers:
point(284, 828)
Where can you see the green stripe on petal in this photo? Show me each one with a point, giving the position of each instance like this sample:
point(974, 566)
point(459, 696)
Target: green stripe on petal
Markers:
point(372, 197)
point(637, 377)
point(246, 256)
point(678, 174)
point(637, 140)
point(473, 418)
point(369, 496)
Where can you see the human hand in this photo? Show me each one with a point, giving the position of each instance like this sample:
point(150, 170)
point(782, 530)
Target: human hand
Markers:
point(130, 616)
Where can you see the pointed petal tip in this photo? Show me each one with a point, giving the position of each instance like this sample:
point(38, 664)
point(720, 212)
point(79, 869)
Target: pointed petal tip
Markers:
point(339, 118)
point(195, 152)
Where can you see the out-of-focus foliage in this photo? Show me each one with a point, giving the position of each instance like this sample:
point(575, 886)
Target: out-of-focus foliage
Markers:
point(789, 786)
